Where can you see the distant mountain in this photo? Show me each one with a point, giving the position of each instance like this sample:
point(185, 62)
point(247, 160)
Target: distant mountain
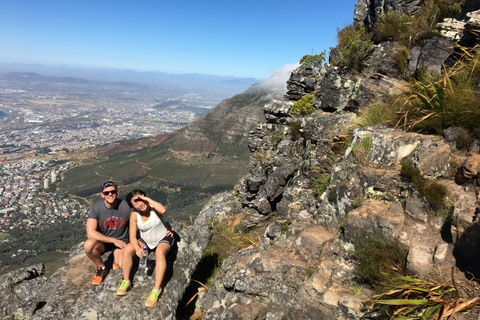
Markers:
point(195, 80)
point(34, 77)
point(31, 77)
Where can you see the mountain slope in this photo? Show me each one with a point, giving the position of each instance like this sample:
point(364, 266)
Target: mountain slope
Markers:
point(208, 156)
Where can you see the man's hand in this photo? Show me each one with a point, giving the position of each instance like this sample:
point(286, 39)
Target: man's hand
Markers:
point(119, 244)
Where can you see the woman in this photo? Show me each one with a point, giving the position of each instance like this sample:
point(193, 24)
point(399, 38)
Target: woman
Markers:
point(147, 216)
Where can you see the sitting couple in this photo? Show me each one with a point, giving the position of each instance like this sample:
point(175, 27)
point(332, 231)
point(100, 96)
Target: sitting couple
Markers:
point(112, 226)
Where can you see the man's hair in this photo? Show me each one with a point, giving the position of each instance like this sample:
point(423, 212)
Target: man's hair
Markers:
point(108, 184)
point(131, 194)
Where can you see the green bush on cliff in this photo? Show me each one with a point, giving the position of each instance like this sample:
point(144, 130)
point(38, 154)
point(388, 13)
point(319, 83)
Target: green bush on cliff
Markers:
point(354, 45)
point(304, 106)
point(377, 256)
point(434, 192)
point(361, 150)
point(314, 60)
point(320, 184)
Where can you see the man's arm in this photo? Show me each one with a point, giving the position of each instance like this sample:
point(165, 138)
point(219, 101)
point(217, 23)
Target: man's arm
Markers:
point(92, 233)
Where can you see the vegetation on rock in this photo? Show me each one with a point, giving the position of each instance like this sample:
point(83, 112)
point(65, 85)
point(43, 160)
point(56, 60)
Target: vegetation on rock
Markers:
point(304, 106)
point(434, 192)
point(314, 60)
point(376, 256)
point(355, 46)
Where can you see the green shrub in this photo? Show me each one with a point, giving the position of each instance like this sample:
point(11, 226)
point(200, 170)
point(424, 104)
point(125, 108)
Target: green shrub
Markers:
point(394, 26)
point(314, 60)
point(354, 46)
point(304, 106)
point(357, 202)
point(309, 271)
point(376, 256)
point(434, 192)
point(361, 150)
point(320, 184)
point(295, 130)
point(332, 195)
point(378, 112)
point(277, 137)
point(284, 224)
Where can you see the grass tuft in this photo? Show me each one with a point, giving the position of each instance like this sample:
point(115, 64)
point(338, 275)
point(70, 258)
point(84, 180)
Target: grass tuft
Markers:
point(376, 255)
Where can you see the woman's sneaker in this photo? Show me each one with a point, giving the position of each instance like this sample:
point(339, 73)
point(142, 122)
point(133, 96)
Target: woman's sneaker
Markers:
point(124, 287)
point(99, 275)
point(152, 299)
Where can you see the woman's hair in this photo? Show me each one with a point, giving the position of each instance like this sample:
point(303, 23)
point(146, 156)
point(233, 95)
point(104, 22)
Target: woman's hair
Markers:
point(132, 194)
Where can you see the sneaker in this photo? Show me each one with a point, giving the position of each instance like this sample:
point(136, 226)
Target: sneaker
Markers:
point(124, 286)
point(152, 299)
point(115, 266)
point(99, 276)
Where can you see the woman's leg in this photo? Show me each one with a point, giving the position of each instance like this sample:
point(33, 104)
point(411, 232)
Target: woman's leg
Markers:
point(161, 263)
point(127, 261)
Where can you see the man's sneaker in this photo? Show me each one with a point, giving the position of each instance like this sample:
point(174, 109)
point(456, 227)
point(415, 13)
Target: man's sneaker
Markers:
point(99, 276)
point(124, 286)
point(152, 299)
point(115, 266)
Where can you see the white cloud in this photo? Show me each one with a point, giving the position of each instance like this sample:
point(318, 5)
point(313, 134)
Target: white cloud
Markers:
point(276, 84)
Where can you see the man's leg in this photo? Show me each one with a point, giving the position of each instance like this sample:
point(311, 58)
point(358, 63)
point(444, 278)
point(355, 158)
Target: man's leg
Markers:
point(118, 257)
point(94, 250)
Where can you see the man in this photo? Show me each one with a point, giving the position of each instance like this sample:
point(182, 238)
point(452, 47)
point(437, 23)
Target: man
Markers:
point(107, 230)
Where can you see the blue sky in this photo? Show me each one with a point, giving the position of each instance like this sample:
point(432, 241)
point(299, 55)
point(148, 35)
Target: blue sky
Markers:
point(228, 38)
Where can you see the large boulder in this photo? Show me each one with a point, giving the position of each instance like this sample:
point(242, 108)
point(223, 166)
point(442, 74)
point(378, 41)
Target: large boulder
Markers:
point(69, 293)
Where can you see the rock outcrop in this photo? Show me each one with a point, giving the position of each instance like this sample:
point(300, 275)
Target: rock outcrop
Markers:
point(69, 294)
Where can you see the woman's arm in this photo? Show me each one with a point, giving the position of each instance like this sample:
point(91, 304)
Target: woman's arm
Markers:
point(157, 206)
point(132, 230)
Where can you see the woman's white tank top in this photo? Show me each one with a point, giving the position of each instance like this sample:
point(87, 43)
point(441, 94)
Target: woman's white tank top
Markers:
point(153, 230)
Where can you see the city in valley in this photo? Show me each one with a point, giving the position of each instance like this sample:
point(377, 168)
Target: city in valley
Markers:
point(42, 118)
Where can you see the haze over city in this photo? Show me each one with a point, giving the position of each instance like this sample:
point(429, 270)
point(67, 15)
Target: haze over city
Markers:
point(240, 39)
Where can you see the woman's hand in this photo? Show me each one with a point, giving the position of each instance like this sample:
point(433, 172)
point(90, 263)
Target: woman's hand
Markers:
point(140, 197)
point(139, 252)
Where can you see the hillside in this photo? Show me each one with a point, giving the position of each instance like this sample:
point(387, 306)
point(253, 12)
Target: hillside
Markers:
point(183, 168)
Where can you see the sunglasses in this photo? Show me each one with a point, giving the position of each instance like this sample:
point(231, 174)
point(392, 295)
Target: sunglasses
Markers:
point(106, 193)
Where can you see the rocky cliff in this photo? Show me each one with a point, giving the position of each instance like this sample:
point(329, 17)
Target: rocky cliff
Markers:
point(303, 266)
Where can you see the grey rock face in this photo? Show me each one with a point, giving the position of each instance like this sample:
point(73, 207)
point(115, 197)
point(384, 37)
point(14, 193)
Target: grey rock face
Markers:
point(19, 287)
point(381, 61)
point(338, 87)
point(302, 81)
point(275, 276)
point(220, 206)
point(431, 56)
point(389, 147)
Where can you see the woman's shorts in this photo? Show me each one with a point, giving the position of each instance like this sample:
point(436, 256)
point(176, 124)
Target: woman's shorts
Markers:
point(167, 239)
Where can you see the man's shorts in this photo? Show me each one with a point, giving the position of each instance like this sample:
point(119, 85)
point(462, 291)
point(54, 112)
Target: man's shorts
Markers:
point(167, 239)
